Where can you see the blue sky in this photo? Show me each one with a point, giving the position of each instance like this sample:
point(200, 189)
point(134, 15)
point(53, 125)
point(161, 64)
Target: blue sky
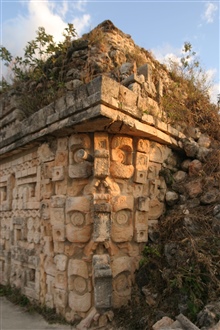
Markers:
point(159, 26)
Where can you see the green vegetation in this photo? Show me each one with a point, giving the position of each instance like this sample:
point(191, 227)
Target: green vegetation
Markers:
point(33, 65)
point(186, 100)
point(37, 76)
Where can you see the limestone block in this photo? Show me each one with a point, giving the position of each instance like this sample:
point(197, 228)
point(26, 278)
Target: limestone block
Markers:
point(154, 186)
point(135, 88)
point(101, 227)
point(30, 236)
point(61, 158)
point(45, 154)
point(45, 209)
point(60, 298)
point(101, 145)
point(69, 249)
point(78, 219)
point(49, 266)
point(58, 247)
point(141, 226)
point(120, 264)
point(121, 155)
point(50, 283)
point(146, 71)
point(83, 170)
point(153, 170)
point(58, 233)
point(78, 268)
point(60, 280)
point(79, 140)
point(79, 231)
point(156, 153)
point(122, 171)
point(101, 167)
point(127, 97)
point(143, 203)
point(61, 262)
point(57, 216)
point(47, 189)
point(48, 245)
point(122, 202)
point(140, 175)
point(58, 201)
point(37, 237)
point(79, 156)
point(156, 209)
point(100, 207)
point(80, 302)
point(102, 277)
point(61, 187)
point(143, 146)
point(141, 161)
point(79, 284)
point(121, 269)
point(82, 204)
point(62, 144)
point(57, 173)
point(122, 227)
point(125, 144)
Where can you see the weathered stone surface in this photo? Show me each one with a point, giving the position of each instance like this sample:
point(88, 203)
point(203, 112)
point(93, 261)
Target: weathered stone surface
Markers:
point(210, 197)
point(163, 323)
point(191, 147)
point(80, 187)
point(194, 188)
point(195, 168)
point(171, 197)
point(180, 176)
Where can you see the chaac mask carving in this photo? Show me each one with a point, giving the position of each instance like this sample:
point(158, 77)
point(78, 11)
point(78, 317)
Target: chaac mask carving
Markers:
point(83, 209)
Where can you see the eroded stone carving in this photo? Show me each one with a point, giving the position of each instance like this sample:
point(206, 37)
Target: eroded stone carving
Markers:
point(75, 217)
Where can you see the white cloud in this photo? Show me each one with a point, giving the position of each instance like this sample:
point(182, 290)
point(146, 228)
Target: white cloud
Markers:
point(214, 92)
point(51, 15)
point(210, 10)
point(214, 89)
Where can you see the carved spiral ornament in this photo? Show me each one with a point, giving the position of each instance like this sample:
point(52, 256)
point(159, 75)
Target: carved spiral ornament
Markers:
point(122, 217)
point(121, 155)
point(77, 219)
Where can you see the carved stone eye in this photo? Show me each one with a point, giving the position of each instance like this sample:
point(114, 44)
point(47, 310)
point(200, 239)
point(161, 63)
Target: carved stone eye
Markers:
point(80, 155)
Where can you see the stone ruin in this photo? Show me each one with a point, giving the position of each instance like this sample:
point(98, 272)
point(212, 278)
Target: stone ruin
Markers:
point(80, 191)
point(80, 188)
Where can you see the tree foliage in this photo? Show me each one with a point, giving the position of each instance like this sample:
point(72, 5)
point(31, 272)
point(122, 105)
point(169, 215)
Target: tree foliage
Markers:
point(36, 52)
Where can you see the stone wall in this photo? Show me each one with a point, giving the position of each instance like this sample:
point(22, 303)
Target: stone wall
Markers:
point(80, 190)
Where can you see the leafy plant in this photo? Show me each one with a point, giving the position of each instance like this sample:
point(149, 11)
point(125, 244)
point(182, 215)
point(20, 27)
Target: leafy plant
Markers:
point(36, 52)
point(38, 74)
point(149, 252)
point(186, 100)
